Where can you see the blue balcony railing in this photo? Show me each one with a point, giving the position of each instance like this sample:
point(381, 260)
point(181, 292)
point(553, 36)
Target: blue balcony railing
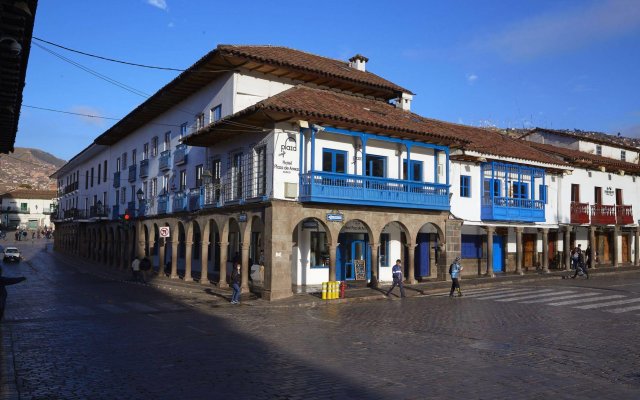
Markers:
point(165, 160)
point(116, 212)
point(132, 172)
point(511, 209)
point(179, 202)
point(180, 155)
point(327, 187)
point(144, 168)
point(194, 200)
point(116, 179)
point(163, 202)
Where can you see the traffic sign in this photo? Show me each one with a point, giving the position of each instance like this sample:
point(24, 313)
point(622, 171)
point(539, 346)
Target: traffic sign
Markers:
point(164, 231)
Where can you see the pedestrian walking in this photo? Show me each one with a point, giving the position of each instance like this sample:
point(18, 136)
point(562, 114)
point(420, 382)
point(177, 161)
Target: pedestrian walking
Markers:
point(135, 269)
point(589, 257)
point(396, 271)
point(454, 271)
point(575, 256)
point(581, 267)
point(236, 276)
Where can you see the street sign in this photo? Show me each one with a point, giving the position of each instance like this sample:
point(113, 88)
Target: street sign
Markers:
point(164, 231)
point(335, 217)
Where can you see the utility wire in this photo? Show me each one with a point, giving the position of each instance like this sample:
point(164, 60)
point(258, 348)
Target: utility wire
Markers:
point(89, 115)
point(107, 58)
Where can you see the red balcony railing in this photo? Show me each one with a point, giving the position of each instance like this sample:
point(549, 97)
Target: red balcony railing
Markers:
point(579, 213)
point(624, 215)
point(603, 214)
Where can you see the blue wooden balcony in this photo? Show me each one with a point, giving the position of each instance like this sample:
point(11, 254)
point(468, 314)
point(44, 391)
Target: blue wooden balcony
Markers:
point(163, 202)
point(180, 155)
point(179, 202)
point(144, 168)
point(116, 179)
point(165, 160)
point(116, 212)
point(510, 209)
point(132, 173)
point(327, 187)
point(195, 200)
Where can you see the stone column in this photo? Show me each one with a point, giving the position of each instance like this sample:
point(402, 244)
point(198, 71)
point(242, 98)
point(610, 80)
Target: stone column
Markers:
point(636, 253)
point(452, 248)
point(174, 257)
point(593, 245)
point(567, 248)
point(616, 247)
point(374, 283)
point(411, 271)
point(161, 256)
point(519, 251)
point(490, 232)
point(545, 250)
point(204, 262)
point(333, 249)
point(244, 269)
point(187, 262)
point(140, 249)
point(224, 250)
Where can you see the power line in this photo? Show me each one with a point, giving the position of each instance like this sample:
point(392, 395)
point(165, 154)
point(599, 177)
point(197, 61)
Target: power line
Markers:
point(107, 58)
point(89, 115)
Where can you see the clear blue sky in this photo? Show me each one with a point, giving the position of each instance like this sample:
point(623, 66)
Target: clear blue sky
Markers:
point(558, 64)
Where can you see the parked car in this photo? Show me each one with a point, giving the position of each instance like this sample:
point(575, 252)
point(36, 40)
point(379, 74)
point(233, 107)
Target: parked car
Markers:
point(11, 254)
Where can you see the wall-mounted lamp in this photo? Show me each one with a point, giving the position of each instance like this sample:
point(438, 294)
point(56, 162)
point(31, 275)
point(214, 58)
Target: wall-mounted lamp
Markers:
point(14, 47)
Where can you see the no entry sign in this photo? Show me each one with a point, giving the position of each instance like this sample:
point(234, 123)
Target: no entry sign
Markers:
point(164, 231)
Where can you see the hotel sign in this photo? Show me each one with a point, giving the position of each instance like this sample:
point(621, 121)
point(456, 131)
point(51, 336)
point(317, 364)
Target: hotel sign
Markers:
point(335, 217)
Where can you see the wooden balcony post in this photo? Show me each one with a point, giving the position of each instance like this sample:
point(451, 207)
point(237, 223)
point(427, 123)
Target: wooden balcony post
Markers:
point(519, 251)
point(545, 250)
point(567, 248)
point(490, 232)
point(593, 245)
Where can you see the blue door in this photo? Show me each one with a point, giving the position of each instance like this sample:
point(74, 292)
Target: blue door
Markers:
point(498, 253)
point(350, 251)
point(422, 256)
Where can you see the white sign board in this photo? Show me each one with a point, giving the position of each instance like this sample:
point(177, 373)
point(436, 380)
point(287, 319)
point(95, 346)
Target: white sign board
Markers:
point(164, 232)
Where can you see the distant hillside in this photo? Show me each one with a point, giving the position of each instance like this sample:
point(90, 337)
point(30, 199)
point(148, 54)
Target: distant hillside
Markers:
point(28, 168)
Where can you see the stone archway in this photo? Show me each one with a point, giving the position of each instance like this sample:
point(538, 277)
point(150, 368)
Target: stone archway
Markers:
point(311, 253)
point(353, 256)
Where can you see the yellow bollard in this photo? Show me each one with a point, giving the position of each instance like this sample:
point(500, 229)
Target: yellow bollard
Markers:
point(335, 290)
point(333, 294)
point(324, 290)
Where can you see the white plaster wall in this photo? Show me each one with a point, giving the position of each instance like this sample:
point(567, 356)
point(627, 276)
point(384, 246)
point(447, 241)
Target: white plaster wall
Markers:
point(466, 208)
point(251, 89)
point(35, 206)
point(609, 151)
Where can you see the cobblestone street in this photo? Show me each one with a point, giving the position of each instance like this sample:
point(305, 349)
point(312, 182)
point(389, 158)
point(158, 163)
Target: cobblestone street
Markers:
point(68, 334)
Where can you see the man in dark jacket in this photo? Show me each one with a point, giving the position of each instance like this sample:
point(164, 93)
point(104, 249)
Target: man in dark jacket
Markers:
point(4, 281)
point(396, 271)
point(236, 278)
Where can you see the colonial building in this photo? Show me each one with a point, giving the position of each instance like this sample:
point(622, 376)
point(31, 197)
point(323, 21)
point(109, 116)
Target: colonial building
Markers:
point(312, 167)
point(27, 209)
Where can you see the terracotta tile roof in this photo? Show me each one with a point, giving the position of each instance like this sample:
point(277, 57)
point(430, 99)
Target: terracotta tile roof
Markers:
point(586, 160)
point(338, 109)
point(21, 193)
point(291, 58)
point(595, 137)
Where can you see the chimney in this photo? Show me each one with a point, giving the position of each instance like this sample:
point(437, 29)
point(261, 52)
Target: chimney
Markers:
point(358, 62)
point(404, 102)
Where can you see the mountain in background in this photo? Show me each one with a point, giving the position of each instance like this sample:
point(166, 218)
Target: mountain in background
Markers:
point(29, 168)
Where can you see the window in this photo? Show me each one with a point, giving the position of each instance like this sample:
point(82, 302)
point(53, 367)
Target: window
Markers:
point(154, 187)
point(134, 154)
point(167, 141)
point(165, 184)
point(183, 130)
point(623, 155)
point(104, 171)
point(334, 161)
point(471, 246)
point(215, 178)
point(416, 170)
point(99, 172)
point(117, 196)
point(575, 193)
point(86, 179)
point(319, 250)
point(542, 193)
point(118, 164)
point(123, 198)
point(24, 207)
point(598, 150)
point(465, 186)
point(261, 171)
point(91, 176)
point(383, 257)
point(145, 188)
point(124, 160)
point(183, 180)
point(104, 198)
point(491, 187)
point(597, 195)
point(133, 193)
point(145, 151)
point(154, 146)
point(520, 190)
point(199, 121)
point(237, 175)
point(216, 113)
point(376, 166)
point(198, 175)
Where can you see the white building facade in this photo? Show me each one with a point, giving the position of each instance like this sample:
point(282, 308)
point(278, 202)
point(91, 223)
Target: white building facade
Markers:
point(27, 209)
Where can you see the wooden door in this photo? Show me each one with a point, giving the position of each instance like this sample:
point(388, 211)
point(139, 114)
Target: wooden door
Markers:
point(604, 248)
point(625, 248)
point(597, 195)
point(575, 192)
point(553, 240)
point(529, 244)
point(619, 197)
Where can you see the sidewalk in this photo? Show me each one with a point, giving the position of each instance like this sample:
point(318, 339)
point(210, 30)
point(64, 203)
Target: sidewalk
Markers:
point(352, 294)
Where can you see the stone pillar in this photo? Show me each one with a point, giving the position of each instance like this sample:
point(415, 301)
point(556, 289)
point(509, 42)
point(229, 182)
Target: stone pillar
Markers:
point(162, 247)
point(452, 246)
point(374, 283)
point(204, 262)
point(545, 250)
point(519, 252)
point(224, 251)
point(490, 232)
point(411, 271)
point(333, 250)
point(636, 253)
point(593, 245)
point(616, 246)
point(174, 257)
point(140, 249)
point(187, 262)
point(567, 248)
point(244, 269)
